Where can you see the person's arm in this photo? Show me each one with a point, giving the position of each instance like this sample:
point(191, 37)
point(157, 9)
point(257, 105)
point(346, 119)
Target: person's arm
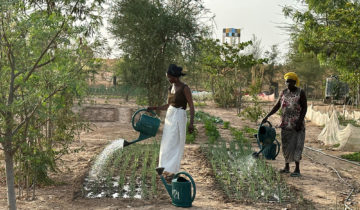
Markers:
point(273, 110)
point(189, 99)
point(163, 107)
point(303, 105)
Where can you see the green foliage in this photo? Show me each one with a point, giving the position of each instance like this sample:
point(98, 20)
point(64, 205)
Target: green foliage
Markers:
point(225, 67)
point(249, 130)
point(129, 172)
point(308, 67)
point(201, 116)
point(211, 131)
point(354, 156)
point(199, 104)
point(345, 122)
point(226, 125)
point(153, 34)
point(191, 137)
point(244, 178)
point(253, 113)
point(329, 29)
point(238, 135)
point(45, 60)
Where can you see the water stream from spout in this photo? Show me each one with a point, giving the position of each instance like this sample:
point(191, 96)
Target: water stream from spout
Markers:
point(97, 168)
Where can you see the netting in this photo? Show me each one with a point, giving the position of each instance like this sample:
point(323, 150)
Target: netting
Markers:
point(348, 137)
point(316, 116)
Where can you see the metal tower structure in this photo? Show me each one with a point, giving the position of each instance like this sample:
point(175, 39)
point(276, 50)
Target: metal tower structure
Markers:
point(231, 36)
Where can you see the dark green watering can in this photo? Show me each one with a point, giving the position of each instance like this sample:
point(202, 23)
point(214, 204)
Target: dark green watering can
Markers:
point(147, 125)
point(266, 137)
point(180, 188)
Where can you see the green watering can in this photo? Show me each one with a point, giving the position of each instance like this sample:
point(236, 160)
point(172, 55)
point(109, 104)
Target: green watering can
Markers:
point(147, 125)
point(266, 137)
point(180, 188)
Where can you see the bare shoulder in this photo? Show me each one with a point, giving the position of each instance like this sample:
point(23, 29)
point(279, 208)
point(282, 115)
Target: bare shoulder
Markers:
point(186, 87)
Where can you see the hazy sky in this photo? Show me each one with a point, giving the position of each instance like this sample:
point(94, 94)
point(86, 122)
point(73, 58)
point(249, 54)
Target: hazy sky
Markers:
point(259, 17)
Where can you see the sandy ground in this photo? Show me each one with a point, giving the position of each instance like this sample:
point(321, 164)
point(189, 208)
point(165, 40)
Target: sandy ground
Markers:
point(320, 183)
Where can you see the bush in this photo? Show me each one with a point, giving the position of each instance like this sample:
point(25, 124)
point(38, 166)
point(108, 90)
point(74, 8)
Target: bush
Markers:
point(211, 131)
point(226, 125)
point(253, 113)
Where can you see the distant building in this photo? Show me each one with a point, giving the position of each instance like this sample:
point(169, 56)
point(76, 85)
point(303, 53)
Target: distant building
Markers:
point(231, 36)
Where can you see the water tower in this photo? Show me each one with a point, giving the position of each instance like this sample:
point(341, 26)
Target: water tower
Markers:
point(231, 36)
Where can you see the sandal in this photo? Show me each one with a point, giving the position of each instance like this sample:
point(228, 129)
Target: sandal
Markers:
point(295, 174)
point(284, 171)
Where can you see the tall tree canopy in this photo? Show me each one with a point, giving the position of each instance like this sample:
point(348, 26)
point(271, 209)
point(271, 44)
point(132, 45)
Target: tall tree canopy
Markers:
point(330, 29)
point(152, 34)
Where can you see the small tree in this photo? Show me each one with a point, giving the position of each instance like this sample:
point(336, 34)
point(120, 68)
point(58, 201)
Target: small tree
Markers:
point(42, 69)
point(228, 70)
point(153, 34)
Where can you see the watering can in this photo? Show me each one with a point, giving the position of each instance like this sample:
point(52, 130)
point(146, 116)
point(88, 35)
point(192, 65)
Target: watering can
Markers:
point(266, 137)
point(147, 125)
point(180, 188)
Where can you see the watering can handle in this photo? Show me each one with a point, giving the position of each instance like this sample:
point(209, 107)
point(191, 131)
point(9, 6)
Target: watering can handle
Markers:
point(137, 112)
point(266, 122)
point(278, 146)
point(192, 182)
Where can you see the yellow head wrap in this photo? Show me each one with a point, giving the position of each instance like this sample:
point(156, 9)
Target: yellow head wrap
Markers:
point(293, 76)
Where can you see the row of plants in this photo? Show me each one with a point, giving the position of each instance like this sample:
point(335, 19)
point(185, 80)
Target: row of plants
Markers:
point(345, 122)
point(210, 125)
point(128, 173)
point(240, 175)
point(353, 156)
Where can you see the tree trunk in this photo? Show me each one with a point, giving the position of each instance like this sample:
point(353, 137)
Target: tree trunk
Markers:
point(10, 178)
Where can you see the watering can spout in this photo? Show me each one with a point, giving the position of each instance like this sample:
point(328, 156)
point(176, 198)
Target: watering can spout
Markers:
point(168, 187)
point(147, 126)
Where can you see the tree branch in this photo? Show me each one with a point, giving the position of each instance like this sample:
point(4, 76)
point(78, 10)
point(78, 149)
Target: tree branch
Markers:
point(45, 63)
point(34, 110)
point(39, 66)
point(36, 65)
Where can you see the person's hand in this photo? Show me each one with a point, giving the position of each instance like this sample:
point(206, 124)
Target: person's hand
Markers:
point(151, 108)
point(191, 128)
point(264, 120)
point(299, 125)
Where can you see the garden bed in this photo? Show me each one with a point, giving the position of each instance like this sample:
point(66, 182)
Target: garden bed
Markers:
point(128, 173)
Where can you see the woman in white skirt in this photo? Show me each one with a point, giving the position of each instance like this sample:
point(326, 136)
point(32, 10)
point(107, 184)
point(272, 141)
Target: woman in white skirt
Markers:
point(174, 132)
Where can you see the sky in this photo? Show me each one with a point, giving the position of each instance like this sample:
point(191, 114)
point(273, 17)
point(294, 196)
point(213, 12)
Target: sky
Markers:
point(261, 18)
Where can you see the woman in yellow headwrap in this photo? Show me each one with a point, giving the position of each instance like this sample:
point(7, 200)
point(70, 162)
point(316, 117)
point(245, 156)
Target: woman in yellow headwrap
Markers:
point(293, 104)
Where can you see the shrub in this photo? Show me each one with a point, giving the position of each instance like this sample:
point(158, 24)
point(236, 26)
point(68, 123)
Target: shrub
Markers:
point(226, 125)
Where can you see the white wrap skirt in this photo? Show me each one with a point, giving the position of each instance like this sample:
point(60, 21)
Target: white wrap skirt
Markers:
point(173, 139)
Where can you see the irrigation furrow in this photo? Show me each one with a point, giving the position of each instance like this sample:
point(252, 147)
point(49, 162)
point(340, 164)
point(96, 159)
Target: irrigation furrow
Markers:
point(332, 156)
point(352, 187)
